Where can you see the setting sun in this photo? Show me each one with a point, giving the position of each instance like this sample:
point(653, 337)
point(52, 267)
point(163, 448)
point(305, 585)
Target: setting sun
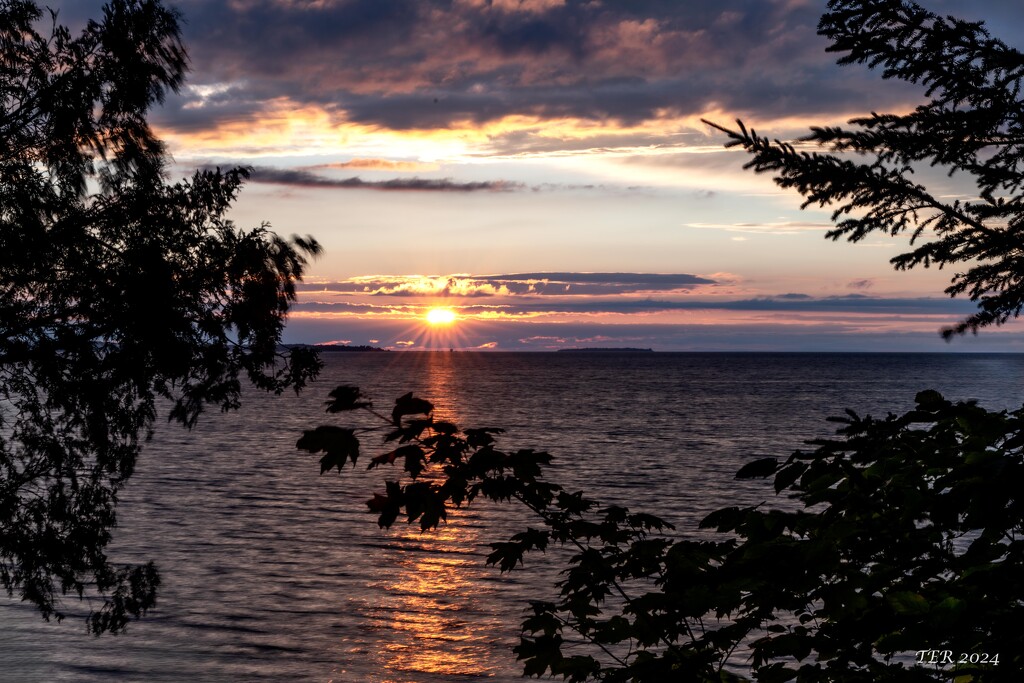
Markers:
point(441, 316)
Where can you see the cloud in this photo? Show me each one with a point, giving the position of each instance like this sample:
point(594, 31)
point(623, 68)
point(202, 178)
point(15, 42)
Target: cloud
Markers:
point(776, 228)
point(543, 339)
point(303, 178)
point(515, 284)
point(531, 306)
point(429, 64)
point(377, 165)
point(866, 283)
point(458, 65)
point(650, 279)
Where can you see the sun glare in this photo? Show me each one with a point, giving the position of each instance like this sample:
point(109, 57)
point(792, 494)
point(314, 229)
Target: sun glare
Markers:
point(440, 316)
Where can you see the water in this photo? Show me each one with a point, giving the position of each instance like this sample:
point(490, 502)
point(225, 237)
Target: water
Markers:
point(274, 573)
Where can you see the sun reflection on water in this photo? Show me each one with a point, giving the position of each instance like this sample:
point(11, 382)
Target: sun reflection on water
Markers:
point(430, 609)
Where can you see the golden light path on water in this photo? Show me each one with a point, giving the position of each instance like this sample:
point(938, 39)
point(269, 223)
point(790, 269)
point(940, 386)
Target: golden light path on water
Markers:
point(430, 591)
point(429, 615)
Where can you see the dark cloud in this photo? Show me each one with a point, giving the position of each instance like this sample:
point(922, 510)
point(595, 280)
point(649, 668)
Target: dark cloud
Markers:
point(376, 165)
point(845, 304)
point(429, 63)
point(597, 284)
point(659, 279)
point(420, 64)
point(518, 284)
point(852, 304)
point(302, 178)
point(306, 177)
point(558, 29)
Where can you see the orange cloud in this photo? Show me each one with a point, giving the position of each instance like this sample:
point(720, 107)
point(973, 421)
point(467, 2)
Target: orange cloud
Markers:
point(379, 165)
point(285, 127)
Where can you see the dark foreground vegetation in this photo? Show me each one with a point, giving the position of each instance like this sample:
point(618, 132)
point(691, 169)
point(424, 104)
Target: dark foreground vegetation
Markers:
point(900, 537)
point(118, 289)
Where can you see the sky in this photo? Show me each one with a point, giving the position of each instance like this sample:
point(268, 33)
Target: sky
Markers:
point(540, 169)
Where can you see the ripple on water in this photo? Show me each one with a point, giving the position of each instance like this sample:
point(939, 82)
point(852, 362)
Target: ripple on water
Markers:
point(272, 573)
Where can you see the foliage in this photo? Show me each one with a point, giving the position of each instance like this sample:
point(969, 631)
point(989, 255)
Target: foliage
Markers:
point(903, 534)
point(117, 289)
point(973, 126)
point(911, 538)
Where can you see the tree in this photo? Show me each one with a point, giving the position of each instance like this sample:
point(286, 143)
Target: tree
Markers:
point(898, 550)
point(973, 127)
point(118, 289)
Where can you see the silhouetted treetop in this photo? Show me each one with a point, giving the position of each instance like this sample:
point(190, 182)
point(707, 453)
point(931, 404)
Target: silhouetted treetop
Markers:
point(117, 288)
point(972, 126)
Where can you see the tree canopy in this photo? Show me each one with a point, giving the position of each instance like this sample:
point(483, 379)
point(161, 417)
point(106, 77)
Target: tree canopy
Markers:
point(972, 127)
point(118, 289)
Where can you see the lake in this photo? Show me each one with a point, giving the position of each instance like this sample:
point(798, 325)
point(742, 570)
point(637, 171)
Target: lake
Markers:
point(272, 573)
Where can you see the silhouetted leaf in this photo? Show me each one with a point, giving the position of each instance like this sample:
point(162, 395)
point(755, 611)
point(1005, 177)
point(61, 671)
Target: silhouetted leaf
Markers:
point(378, 503)
point(409, 405)
point(775, 673)
point(724, 519)
point(930, 399)
point(506, 555)
point(758, 469)
point(345, 398)
point(339, 445)
point(443, 427)
point(407, 452)
point(788, 475)
point(481, 436)
point(907, 602)
point(414, 459)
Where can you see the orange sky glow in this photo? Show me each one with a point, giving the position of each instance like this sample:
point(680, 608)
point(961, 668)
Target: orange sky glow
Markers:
point(556, 140)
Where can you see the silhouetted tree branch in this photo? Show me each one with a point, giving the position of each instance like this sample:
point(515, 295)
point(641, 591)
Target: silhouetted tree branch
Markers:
point(973, 125)
point(119, 288)
point(900, 535)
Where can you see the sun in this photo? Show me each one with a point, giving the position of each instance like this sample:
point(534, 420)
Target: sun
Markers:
point(441, 316)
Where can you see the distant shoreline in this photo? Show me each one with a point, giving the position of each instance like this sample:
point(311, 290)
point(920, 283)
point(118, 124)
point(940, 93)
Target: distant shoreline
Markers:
point(598, 349)
point(337, 348)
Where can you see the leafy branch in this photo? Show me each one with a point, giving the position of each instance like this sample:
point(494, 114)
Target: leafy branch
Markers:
point(614, 554)
point(900, 534)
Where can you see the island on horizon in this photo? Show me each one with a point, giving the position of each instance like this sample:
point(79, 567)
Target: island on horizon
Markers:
point(336, 348)
point(610, 349)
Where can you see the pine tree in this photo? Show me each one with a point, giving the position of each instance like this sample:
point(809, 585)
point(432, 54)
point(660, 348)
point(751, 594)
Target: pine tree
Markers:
point(972, 127)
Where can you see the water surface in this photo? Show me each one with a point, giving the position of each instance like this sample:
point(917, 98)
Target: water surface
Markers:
point(274, 573)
